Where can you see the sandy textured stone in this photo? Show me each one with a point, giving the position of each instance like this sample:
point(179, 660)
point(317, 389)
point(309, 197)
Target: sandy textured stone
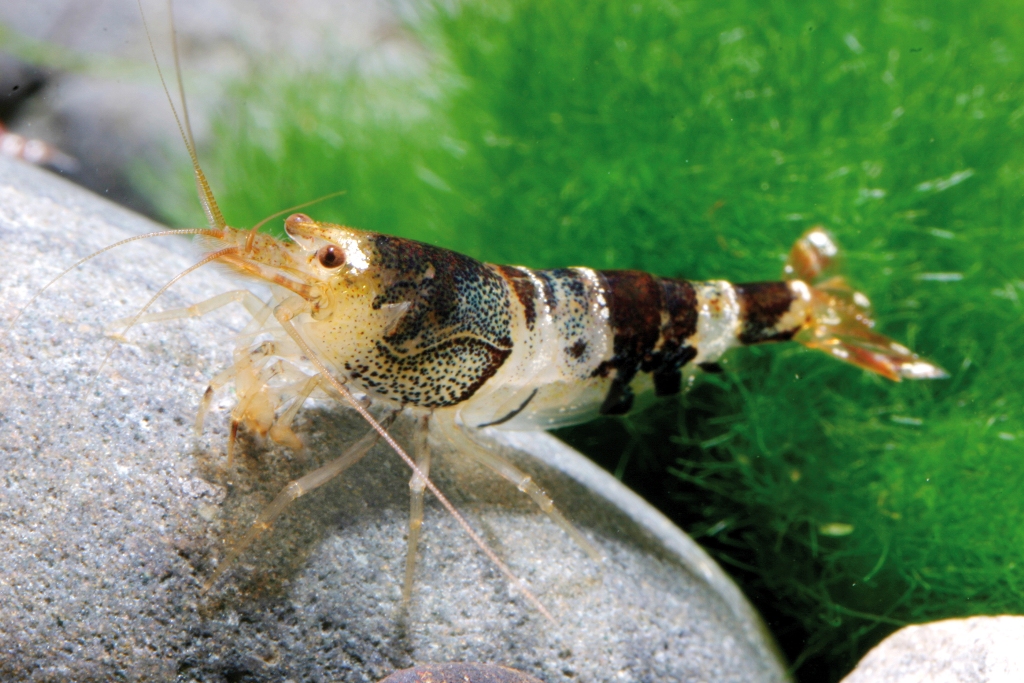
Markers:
point(112, 512)
point(974, 650)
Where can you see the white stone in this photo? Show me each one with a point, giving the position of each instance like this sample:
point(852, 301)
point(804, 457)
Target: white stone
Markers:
point(973, 650)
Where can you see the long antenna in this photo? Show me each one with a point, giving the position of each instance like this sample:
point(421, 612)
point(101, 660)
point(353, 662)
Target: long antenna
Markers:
point(79, 262)
point(256, 228)
point(206, 198)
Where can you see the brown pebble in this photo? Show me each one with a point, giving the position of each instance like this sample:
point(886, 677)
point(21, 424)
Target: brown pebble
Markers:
point(459, 672)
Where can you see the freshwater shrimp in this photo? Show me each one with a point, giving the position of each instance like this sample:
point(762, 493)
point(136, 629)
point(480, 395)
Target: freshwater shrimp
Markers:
point(35, 152)
point(394, 325)
point(464, 346)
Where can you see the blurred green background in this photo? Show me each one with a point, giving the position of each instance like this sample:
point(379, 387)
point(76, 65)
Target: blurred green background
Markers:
point(699, 140)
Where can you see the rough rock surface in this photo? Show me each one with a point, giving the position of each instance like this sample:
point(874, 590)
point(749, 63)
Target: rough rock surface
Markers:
point(974, 650)
point(112, 513)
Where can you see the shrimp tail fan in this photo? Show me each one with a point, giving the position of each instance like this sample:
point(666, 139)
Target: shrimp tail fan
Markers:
point(839, 317)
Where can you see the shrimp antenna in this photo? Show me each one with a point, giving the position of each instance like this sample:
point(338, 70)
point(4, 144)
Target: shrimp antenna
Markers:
point(131, 323)
point(311, 202)
point(79, 262)
point(213, 256)
point(213, 215)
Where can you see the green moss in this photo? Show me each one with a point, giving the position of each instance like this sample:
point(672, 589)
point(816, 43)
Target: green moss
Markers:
point(700, 139)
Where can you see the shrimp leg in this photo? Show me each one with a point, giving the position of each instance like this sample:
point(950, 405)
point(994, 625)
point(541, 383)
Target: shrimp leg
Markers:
point(285, 314)
point(292, 492)
point(252, 304)
point(281, 431)
point(257, 400)
point(469, 442)
point(416, 486)
point(246, 361)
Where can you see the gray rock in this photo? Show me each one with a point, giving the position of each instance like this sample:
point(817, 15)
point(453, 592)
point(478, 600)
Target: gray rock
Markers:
point(973, 650)
point(112, 513)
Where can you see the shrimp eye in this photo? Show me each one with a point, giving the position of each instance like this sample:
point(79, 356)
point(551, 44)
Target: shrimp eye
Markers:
point(331, 256)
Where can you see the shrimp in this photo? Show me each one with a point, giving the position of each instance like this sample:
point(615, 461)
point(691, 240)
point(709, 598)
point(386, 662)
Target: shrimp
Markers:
point(391, 325)
point(35, 152)
point(464, 346)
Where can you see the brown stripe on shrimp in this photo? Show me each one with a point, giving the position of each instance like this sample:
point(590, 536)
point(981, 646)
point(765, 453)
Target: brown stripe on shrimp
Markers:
point(763, 309)
point(652, 320)
point(679, 324)
point(524, 289)
point(635, 304)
